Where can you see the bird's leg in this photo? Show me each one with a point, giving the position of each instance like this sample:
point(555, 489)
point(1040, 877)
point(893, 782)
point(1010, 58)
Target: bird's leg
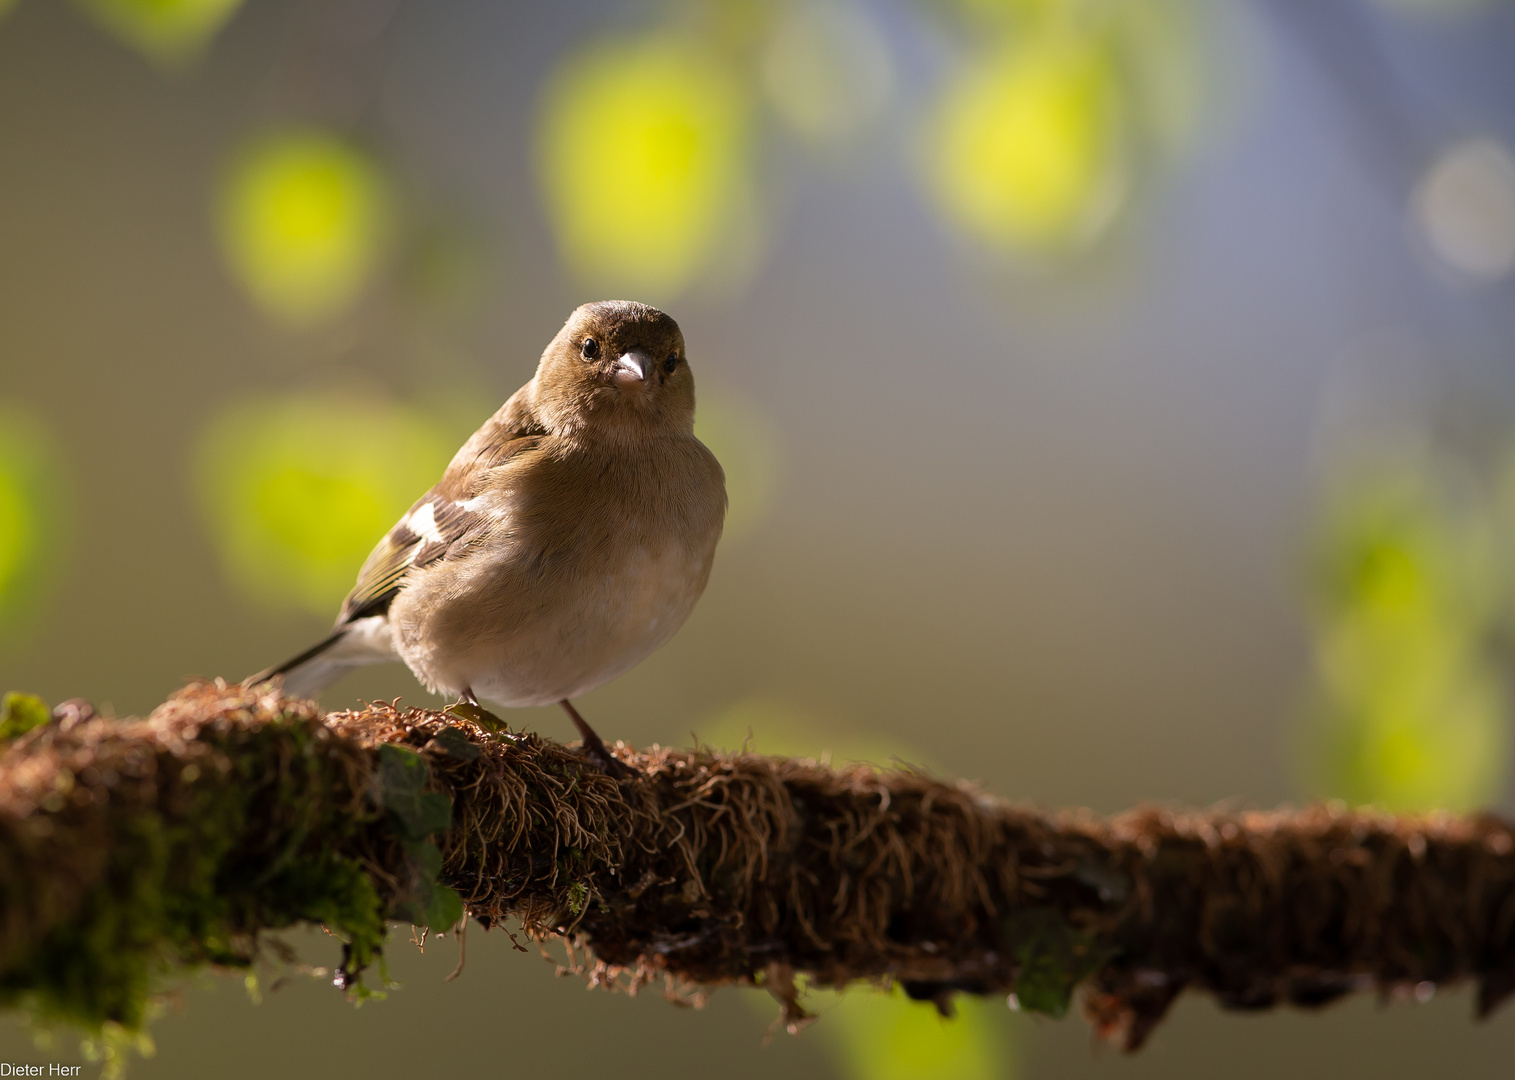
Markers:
point(468, 707)
point(594, 746)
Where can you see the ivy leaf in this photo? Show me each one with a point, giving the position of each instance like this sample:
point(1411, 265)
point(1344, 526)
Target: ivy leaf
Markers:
point(434, 813)
point(1054, 958)
point(444, 909)
point(452, 742)
point(413, 813)
point(424, 859)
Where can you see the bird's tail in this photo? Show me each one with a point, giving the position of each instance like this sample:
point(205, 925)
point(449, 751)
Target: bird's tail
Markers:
point(365, 641)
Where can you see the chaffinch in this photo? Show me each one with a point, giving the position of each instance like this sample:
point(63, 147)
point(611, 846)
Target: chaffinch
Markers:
point(568, 539)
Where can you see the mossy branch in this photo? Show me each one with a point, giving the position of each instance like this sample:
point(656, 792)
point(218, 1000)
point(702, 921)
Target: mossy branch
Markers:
point(130, 849)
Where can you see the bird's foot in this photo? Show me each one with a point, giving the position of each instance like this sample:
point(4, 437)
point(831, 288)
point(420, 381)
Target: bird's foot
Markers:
point(609, 764)
point(595, 748)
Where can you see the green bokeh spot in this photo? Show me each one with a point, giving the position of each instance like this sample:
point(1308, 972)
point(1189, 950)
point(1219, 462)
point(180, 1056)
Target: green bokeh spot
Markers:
point(1410, 711)
point(304, 219)
point(19, 527)
point(1022, 151)
point(33, 528)
point(166, 31)
point(885, 1036)
point(643, 158)
point(298, 491)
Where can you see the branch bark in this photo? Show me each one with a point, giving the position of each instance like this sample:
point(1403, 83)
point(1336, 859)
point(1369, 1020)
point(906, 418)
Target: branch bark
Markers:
point(132, 848)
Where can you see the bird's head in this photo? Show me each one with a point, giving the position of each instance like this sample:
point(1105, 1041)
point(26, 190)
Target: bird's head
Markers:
point(616, 366)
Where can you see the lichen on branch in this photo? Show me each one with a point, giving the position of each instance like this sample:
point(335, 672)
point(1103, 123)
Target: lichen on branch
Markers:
point(133, 849)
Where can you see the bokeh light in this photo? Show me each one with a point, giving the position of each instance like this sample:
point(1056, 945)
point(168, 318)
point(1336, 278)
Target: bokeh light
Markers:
point(1465, 208)
point(166, 31)
point(1167, 51)
point(297, 491)
point(827, 70)
point(643, 159)
point(877, 1035)
point(1022, 151)
point(303, 219)
point(33, 515)
point(1411, 712)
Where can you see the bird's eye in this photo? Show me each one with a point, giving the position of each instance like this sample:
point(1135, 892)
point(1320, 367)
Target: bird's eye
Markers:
point(590, 348)
point(671, 363)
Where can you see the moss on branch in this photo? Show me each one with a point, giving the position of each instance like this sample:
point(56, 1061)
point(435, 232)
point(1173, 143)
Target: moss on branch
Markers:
point(134, 849)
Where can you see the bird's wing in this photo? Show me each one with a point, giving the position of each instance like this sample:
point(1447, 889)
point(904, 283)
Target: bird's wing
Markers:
point(443, 521)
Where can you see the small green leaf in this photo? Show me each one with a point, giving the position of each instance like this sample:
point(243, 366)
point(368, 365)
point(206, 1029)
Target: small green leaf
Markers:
point(444, 909)
point(452, 742)
point(425, 859)
point(19, 713)
point(435, 812)
point(1054, 958)
point(414, 814)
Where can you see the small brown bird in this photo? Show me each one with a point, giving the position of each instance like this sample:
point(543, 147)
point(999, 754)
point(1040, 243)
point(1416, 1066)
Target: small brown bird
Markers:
point(568, 539)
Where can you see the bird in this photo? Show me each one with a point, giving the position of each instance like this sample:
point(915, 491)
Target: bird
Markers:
point(568, 539)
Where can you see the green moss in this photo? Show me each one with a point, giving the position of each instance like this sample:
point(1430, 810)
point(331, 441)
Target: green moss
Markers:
point(19, 713)
point(192, 879)
point(1053, 958)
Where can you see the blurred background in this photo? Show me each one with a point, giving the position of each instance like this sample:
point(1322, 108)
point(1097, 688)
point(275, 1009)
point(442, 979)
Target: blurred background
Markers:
point(1116, 400)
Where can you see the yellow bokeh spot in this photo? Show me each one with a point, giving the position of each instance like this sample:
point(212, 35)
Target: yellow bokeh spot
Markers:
point(642, 152)
point(303, 222)
point(31, 531)
point(1439, 745)
point(297, 492)
point(1022, 149)
point(18, 529)
point(167, 31)
point(1411, 712)
point(886, 1036)
point(1393, 581)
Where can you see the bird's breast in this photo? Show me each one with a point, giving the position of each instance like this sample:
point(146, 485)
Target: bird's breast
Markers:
point(588, 569)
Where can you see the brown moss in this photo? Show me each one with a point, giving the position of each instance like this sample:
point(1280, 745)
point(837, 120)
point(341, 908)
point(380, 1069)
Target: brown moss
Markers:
point(710, 868)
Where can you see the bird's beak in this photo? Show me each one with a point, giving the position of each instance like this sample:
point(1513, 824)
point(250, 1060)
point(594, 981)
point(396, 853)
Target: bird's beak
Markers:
point(631, 367)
